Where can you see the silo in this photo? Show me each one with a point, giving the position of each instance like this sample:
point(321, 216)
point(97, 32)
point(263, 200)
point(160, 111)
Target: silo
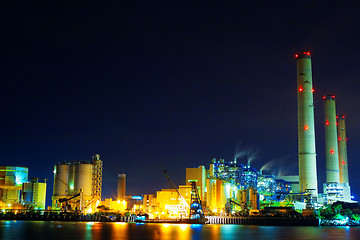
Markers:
point(306, 126)
point(61, 175)
point(83, 175)
point(211, 193)
point(70, 185)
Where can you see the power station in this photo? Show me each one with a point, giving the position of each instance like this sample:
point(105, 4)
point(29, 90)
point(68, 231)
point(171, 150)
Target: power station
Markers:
point(306, 126)
point(224, 188)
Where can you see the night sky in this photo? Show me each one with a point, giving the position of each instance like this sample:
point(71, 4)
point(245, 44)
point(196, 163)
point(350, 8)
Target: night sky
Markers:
point(173, 83)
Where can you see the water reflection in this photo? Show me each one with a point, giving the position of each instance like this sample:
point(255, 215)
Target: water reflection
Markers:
point(125, 231)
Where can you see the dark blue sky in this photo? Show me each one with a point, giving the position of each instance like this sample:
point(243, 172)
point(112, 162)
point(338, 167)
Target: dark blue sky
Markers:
point(174, 83)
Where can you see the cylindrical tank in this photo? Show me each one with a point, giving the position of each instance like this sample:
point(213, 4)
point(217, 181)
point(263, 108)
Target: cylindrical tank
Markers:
point(70, 186)
point(211, 193)
point(83, 178)
point(60, 179)
point(331, 141)
point(306, 126)
point(342, 148)
point(121, 186)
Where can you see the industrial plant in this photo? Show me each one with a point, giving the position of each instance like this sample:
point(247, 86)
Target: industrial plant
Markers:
point(17, 192)
point(224, 188)
point(77, 185)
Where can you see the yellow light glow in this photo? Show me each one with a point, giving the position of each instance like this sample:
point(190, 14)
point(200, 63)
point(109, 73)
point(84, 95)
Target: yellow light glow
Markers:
point(183, 227)
point(118, 201)
point(89, 210)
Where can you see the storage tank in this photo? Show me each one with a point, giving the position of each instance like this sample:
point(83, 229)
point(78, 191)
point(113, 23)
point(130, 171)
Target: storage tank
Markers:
point(60, 179)
point(70, 185)
point(83, 178)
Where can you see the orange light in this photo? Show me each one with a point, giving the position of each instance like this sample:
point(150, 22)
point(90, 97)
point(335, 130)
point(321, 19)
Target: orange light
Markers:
point(332, 152)
point(306, 128)
point(343, 163)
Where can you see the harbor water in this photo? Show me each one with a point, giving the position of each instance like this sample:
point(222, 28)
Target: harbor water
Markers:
point(19, 230)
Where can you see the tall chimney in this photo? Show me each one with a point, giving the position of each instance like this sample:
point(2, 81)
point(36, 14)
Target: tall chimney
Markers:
point(331, 141)
point(306, 126)
point(121, 186)
point(343, 162)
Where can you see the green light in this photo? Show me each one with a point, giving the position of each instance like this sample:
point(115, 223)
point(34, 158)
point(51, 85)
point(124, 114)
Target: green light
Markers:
point(72, 186)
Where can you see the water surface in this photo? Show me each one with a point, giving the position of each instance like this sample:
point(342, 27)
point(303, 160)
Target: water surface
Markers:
point(19, 230)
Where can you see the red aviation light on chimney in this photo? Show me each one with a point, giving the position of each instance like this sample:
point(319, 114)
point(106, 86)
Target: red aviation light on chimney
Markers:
point(332, 152)
point(306, 127)
point(343, 163)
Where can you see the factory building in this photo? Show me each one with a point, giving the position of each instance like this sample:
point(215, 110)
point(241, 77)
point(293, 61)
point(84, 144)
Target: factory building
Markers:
point(200, 175)
point(34, 193)
point(306, 127)
point(77, 185)
point(11, 182)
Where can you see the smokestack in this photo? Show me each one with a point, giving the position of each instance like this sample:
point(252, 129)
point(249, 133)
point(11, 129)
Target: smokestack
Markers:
point(331, 141)
point(121, 186)
point(306, 127)
point(342, 148)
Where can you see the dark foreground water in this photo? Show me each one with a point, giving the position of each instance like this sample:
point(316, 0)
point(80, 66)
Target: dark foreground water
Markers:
point(76, 230)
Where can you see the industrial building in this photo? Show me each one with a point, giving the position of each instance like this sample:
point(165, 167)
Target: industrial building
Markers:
point(223, 188)
point(11, 183)
point(77, 185)
point(34, 194)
